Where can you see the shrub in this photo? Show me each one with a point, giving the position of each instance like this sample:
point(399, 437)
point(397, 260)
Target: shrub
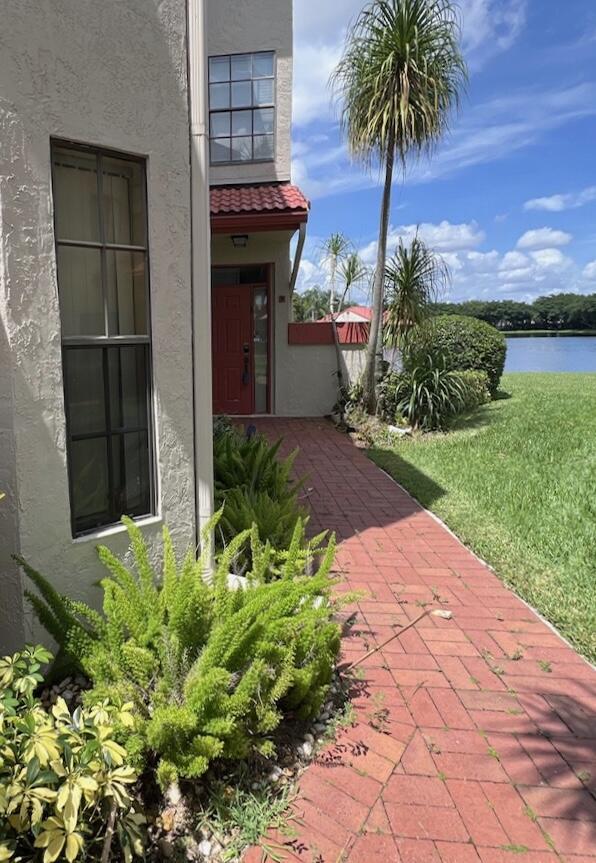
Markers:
point(255, 486)
point(211, 667)
point(275, 518)
point(427, 396)
point(63, 776)
point(252, 464)
point(475, 388)
point(466, 343)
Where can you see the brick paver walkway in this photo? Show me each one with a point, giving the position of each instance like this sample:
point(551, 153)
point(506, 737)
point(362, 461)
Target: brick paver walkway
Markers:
point(475, 739)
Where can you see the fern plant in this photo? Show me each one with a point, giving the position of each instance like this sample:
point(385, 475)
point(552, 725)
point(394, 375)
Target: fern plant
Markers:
point(210, 668)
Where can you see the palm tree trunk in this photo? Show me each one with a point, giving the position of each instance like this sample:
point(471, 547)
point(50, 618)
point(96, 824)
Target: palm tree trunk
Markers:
point(374, 351)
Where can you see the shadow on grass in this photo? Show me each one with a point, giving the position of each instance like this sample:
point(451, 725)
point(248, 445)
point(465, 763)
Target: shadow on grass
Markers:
point(425, 489)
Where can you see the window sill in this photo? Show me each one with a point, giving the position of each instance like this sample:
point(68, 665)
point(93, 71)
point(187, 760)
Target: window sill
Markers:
point(115, 529)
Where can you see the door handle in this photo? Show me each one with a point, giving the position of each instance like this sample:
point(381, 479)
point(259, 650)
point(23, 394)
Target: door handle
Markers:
point(246, 369)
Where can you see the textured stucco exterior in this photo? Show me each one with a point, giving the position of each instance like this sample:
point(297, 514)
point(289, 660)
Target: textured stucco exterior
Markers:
point(304, 377)
point(245, 26)
point(111, 74)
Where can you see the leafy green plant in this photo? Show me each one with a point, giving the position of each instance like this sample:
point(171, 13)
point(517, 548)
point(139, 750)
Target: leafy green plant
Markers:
point(255, 487)
point(245, 813)
point(427, 396)
point(211, 666)
point(65, 784)
point(476, 391)
point(463, 343)
point(275, 518)
point(252, 464)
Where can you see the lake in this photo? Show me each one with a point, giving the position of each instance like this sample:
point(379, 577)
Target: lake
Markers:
point(551, 354)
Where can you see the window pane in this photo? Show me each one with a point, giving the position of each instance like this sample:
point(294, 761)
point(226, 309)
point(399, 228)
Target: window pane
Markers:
point(127, 368)
point(123, 202)
point(85, 394)
point(263, 91)
point(220, 150)
point(127, 296)
point(241, 67)
point(89, 482)
point(263, 121)
point(219, 69)
point(241, 95)
point(220, 125)
point(75, 195)
point(219, 96)
point(242, 123)
point(79, 284)
point(241, 149)
point(130, 456)
point(263, 146)
point(261, 334)
point(262, 65)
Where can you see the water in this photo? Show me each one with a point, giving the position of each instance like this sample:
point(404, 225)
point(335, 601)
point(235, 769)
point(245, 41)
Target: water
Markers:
point(551, 354)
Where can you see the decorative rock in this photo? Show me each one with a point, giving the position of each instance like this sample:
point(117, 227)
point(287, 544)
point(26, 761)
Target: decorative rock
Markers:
point(275, 774)
point(205, 847)
point(309, 738)
point(305, 749)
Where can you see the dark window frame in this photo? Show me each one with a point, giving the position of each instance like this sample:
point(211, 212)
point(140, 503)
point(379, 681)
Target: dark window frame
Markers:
point(252, 108)
point(113, 436)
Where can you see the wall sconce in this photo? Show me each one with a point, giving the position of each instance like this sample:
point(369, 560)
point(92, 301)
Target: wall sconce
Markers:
point(240, 241)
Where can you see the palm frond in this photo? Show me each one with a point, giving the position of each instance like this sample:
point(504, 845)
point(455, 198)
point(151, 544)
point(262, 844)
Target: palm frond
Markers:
point(400, 77)
point(414, 278)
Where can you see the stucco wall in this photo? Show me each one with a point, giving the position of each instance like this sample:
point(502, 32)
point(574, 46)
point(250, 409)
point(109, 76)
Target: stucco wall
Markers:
point(304, 377)
point(112, 74)
point(245, 26)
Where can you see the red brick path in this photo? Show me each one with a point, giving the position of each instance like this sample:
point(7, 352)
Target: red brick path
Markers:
point(475, 739)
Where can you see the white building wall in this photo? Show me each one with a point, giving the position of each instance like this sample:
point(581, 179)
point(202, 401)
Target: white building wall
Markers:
point(246, 26)
point(111, 74)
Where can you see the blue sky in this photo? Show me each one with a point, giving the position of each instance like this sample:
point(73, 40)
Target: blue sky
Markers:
point(509, 197)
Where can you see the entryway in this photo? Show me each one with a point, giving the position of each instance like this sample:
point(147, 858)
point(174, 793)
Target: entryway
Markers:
point(241, 340)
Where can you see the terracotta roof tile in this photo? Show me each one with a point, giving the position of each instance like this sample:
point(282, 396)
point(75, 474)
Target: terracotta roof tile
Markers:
point(256, 199)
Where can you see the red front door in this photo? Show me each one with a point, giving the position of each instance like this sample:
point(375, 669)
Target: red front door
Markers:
point(233, 388)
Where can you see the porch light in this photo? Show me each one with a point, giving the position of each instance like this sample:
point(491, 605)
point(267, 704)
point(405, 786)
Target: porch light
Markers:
point(240, 241)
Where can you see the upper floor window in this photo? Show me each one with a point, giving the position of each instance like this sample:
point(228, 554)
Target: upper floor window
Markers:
point(103, 282)
point(242, 107)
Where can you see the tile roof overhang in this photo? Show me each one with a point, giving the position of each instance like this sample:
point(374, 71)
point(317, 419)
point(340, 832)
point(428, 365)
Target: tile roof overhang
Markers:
point(259, 207)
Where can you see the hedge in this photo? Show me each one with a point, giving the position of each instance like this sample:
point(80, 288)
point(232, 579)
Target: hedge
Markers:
point(467, 343)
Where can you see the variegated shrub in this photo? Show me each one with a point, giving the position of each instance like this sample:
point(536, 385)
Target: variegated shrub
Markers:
point(65, 784)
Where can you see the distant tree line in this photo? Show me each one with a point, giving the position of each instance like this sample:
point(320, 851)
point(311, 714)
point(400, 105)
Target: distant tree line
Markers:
point(555, 312)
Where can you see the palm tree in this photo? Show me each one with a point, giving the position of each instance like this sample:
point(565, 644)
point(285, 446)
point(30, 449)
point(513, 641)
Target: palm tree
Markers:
point(335, 249)
point(414, 278)
point(353, 271)
point(400, 76)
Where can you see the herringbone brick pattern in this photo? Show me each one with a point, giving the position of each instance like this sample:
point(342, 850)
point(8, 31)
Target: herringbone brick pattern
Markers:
point(475, 738)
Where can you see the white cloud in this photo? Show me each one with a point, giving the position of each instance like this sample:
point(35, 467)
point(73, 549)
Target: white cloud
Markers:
point(476, 274)
point(486, 132)
point(490, 27)
point(320, 26)
point(541, 238)
point(551, 259)
point(444, 237)
point(558, 203)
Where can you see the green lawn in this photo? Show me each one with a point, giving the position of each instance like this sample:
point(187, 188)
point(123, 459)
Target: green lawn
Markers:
point(517, 484)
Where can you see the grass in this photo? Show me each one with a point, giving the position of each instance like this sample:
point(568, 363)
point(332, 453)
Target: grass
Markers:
point(517, 483)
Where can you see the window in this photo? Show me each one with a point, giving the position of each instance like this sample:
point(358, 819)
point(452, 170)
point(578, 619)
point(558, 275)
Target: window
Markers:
point(103, 282)
point(242, 107)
